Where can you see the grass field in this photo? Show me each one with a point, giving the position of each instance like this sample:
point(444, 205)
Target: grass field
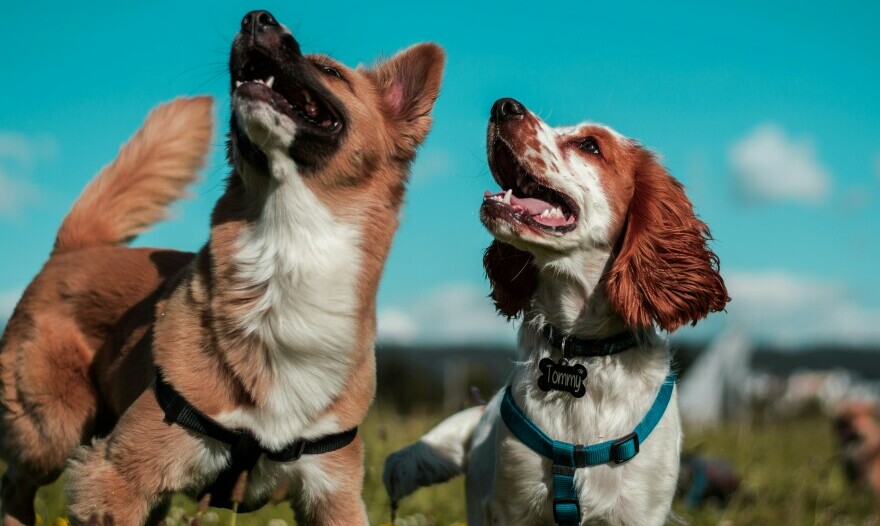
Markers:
point(789, 472)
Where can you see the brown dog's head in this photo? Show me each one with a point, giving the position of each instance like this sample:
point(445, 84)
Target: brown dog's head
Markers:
point(585, 188)
point(857, 430)
point(349, 132)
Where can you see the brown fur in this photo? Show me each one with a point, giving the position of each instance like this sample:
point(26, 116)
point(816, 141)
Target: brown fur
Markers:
point(663, 272)
point(512, 276)
point(69, 317)
point(860, 422)
point(152, 170)
point(79, 352)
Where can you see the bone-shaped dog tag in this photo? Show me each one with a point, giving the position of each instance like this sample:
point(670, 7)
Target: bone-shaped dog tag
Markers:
point(560, 376)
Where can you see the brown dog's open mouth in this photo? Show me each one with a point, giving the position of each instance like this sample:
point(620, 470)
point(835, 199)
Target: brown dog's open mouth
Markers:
point(260, 78)
point(524, 197)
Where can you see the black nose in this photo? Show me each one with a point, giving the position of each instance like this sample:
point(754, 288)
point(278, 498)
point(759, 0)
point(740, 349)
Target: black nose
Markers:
point(507, 108)
point(257, 21)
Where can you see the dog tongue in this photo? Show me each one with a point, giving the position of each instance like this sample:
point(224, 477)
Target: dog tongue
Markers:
point(529, 204)
point(533, 206)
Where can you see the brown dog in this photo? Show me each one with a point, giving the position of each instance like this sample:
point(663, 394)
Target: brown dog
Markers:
point(267, 331)
point(857, 426)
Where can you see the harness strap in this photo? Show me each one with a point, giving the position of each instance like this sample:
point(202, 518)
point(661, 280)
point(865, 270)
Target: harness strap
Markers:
point(178, 410)
point(245, 448)
point(568, 457)
point(699, 483)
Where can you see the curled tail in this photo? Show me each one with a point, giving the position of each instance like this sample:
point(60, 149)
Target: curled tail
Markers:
point(436, 457)
point(151, 171)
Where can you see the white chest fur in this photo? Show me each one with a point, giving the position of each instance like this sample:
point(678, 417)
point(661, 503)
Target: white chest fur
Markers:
point(308, 263)
point(620, 390)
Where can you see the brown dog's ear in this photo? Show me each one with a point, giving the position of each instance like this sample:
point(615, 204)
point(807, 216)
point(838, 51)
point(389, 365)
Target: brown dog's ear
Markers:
point(409, 83)
point(664, 271)
point(512, 276)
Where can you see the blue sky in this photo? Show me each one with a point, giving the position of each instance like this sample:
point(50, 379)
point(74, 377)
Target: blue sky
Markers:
point(768, 114)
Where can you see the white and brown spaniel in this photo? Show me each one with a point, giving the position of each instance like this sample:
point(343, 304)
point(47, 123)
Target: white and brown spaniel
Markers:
point(598, 249)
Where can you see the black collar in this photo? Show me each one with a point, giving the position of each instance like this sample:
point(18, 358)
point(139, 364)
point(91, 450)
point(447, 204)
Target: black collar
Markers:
point(572, 347)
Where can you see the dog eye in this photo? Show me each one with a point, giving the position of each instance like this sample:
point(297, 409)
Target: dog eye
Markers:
point(590, 145)
point(330, 70)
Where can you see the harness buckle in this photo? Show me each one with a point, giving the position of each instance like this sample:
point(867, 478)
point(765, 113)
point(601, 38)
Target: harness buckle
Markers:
point(562, 512)
point(298, 450)
point(620, 453)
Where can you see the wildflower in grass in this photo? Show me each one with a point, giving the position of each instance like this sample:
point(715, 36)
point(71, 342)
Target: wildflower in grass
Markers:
point(204, 502)
point(238, 493)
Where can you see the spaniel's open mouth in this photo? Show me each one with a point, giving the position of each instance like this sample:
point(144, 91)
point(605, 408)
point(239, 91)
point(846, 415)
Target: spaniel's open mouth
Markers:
point(261, 79)
point(524, 196)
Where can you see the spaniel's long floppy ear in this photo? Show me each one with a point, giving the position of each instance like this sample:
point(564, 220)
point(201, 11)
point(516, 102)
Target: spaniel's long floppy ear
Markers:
point(409, 83)
point(512, 276)
point(664, 271)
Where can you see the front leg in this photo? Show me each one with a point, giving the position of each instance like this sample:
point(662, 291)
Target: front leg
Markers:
point(329, 487)
point(126, 475)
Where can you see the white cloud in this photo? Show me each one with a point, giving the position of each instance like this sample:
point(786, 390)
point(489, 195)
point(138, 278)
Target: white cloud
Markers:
point(769, 165)
point(24, 149)
point(782, 308)
point(451, 314)
point(397, 326)
point(15, 193)
point(775, 307)
point(18, 155)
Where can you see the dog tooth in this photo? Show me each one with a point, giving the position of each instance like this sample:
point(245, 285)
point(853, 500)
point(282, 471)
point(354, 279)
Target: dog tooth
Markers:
point(270, 81)
point(507, 195)
point(238, 83)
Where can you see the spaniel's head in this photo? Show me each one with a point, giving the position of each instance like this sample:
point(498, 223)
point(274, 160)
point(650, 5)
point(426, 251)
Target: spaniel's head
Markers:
point(587, 186)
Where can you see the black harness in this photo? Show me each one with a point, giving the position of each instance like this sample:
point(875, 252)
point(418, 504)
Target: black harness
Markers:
point(246, 449)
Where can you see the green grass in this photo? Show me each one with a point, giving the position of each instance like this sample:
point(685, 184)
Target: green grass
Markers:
point(789, 473)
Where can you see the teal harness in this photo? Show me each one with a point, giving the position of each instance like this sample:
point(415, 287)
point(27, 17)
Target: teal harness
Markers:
point(568, 457)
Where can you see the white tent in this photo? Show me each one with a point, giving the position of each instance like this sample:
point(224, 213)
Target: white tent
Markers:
point(714, 389)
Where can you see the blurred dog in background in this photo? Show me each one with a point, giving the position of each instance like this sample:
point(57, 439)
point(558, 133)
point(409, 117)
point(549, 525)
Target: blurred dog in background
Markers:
point(857, 429)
